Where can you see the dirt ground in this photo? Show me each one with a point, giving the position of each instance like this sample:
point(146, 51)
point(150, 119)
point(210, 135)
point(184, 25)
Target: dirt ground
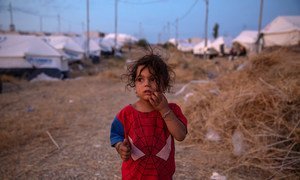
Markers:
point(60, 130)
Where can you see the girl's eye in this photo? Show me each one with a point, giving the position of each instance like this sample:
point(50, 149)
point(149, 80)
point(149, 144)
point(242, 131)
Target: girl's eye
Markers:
point(152, 79)
point(139, 79)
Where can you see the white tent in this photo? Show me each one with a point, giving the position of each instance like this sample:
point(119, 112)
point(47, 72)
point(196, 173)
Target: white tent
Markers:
point(20, 52)
point(66, 46)
point(94, 48)
point(122, 38)
point(107, 44)
point(282, 31)
point(222, 41)
point(185, 46)
point(199, 48)
point(172, 41)
point(247, 39)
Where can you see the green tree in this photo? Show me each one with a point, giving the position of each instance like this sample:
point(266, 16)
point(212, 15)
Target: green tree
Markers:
point(142, 43)
point(216, 31)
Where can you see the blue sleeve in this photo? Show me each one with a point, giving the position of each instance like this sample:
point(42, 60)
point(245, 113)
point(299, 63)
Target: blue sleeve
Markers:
point(116, 132)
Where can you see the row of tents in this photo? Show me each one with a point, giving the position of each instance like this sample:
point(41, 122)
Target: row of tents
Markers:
point(282, 31)
point(31, 55)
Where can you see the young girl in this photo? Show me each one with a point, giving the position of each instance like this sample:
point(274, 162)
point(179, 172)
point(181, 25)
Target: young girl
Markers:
point(143, 132)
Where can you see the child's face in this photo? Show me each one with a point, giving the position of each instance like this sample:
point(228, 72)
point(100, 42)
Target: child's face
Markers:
point(145, 83)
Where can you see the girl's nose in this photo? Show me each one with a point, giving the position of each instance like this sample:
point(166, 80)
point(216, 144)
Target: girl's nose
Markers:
point(147, 82)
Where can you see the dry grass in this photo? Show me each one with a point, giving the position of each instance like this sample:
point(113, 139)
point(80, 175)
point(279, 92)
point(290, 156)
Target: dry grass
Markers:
point(256, 115)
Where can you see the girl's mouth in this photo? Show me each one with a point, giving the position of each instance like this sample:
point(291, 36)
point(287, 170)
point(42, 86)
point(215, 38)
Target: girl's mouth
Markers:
point(148, 92)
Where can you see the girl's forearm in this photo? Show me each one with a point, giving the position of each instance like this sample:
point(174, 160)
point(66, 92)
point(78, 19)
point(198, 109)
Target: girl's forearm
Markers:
point(175, 126)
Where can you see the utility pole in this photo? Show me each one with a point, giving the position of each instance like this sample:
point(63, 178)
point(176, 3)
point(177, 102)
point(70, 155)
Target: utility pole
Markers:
point(88, 29)
point(58, 21)
point(11, 26)
point(41, 23)
point(116, 24)
point(141, 33)
point(206, 24)
point(259, 26)
point(176, 33)
point(82, 27)
point(169, 31)
point(158, 38)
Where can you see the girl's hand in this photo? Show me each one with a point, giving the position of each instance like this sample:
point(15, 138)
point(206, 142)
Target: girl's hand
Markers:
point(159, 101)
point(124, 149)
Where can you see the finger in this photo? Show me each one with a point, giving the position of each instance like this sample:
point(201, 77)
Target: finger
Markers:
point(155, 98)
point(160, 96)
point(152, 101)
point(125, 149)
point(126, 142)
point(127, 152)
point(125, 156)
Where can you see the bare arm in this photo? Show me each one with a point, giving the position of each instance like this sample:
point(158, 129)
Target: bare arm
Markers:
point(175, 126)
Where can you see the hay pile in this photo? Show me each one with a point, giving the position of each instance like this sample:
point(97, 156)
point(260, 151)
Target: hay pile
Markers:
point(189, 67)
point(254, 114)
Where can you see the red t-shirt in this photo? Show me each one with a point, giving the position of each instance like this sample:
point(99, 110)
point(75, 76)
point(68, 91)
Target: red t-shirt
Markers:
point(152, 145)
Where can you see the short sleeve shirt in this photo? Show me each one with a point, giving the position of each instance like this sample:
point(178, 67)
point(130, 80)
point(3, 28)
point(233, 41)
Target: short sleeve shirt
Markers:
point(152, 145)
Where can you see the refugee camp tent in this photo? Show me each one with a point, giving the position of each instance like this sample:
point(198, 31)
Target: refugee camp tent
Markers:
point(247, 39)
point(282, 31)
point(66, 46)
point(185, 46)
point(21, 54)
point(222, 45)
point(94, 48)
point(122, 39)
point(200, 48)
point(173, 41)
point(107, 45)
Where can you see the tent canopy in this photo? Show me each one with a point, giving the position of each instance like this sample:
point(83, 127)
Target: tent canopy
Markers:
point(94, 47)
point(282, 31)
point(247, 39)
point(29, 52)
point(185, 46)
point(221, 40)
point(283, 24)
point(22, 45)
point(200, 47)
point(66, 46)
point(63, 42)
point(121, 38)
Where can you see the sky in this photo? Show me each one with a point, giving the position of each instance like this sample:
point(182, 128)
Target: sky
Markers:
point(154, 20)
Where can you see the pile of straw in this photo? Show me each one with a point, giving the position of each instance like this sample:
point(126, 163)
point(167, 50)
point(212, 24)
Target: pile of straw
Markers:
point(255, 115)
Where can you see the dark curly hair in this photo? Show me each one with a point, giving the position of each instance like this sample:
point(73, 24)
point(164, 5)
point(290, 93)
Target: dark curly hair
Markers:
point(162, 73)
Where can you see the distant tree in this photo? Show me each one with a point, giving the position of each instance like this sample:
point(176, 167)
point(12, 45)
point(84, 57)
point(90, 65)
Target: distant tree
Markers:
point(168, 45)
point(142, 43)
point(216, 31)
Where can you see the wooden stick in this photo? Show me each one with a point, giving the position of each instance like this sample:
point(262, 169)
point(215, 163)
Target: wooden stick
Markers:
point(54, 142)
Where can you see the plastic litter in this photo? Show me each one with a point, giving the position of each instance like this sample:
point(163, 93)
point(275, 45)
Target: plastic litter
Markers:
point(238, 143)
point(217, 176)
point(212, 135)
